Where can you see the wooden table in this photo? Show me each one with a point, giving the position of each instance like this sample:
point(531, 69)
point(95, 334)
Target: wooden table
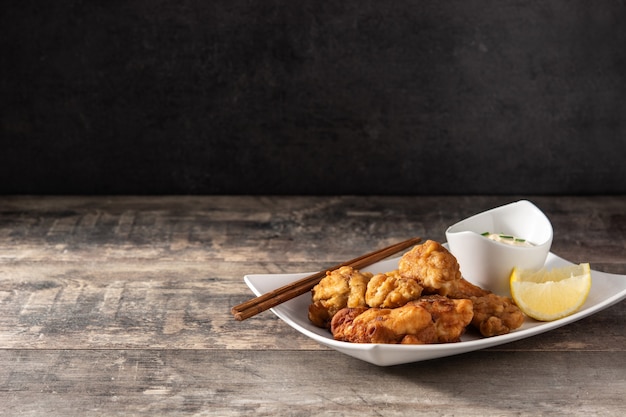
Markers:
point(121, 306)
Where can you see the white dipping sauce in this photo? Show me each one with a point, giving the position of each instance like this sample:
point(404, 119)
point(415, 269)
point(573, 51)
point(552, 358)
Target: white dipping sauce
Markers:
point(508, 239)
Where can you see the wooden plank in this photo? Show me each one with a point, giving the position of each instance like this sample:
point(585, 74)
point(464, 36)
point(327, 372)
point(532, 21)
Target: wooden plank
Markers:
point(121, 306)
point(269, 383)
point(129, 306)
point(184, 305)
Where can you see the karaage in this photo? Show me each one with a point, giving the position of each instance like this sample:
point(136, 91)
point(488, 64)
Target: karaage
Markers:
point(495, 315)
point(438, 271)
point(341, 288)
point(427, 320)
point(426, 300)
point(433, 266)
point(450, 317)
point(390, 290)
point(384, 325)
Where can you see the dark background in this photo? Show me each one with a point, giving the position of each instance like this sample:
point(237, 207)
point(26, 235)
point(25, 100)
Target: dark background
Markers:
point(312, 97)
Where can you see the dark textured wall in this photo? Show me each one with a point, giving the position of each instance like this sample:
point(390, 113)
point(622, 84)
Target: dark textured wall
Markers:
point(300, 97)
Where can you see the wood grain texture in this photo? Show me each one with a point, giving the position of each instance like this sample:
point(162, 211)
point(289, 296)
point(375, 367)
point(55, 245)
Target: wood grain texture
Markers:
point(270, 383)
point(121, 306)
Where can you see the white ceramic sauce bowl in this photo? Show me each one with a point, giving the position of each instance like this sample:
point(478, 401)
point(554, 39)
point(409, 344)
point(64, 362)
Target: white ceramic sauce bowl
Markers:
point(488, 263)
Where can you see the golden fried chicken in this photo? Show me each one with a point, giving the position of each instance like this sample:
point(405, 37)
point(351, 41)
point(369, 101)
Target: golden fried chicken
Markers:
point(427, 320)
point(450, 317)
point(433, 266)
point(438, 271)
point(384, 325)
point(390, 290)
point(341, 288)
point(426, 300)
point(495, 315)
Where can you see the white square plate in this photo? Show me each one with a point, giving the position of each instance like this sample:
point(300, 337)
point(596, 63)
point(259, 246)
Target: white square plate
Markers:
point(606, 290)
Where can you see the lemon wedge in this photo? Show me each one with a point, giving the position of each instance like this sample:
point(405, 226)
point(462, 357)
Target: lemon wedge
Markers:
point(548, 295)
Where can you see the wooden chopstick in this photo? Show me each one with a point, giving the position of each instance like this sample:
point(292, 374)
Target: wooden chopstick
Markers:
point(278, 296)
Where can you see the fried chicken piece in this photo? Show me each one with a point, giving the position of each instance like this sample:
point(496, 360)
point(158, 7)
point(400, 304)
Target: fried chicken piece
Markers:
point(465, 289)
point(427, 320)
point(391, 290)
point(495, 315)
point(384, 325)
point(341, 288)
point(450, 317)
point(438, 271)
point(348, 287)
point(432, 266)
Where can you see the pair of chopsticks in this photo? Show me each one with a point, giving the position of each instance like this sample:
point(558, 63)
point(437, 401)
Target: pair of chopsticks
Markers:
point(278, 296)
